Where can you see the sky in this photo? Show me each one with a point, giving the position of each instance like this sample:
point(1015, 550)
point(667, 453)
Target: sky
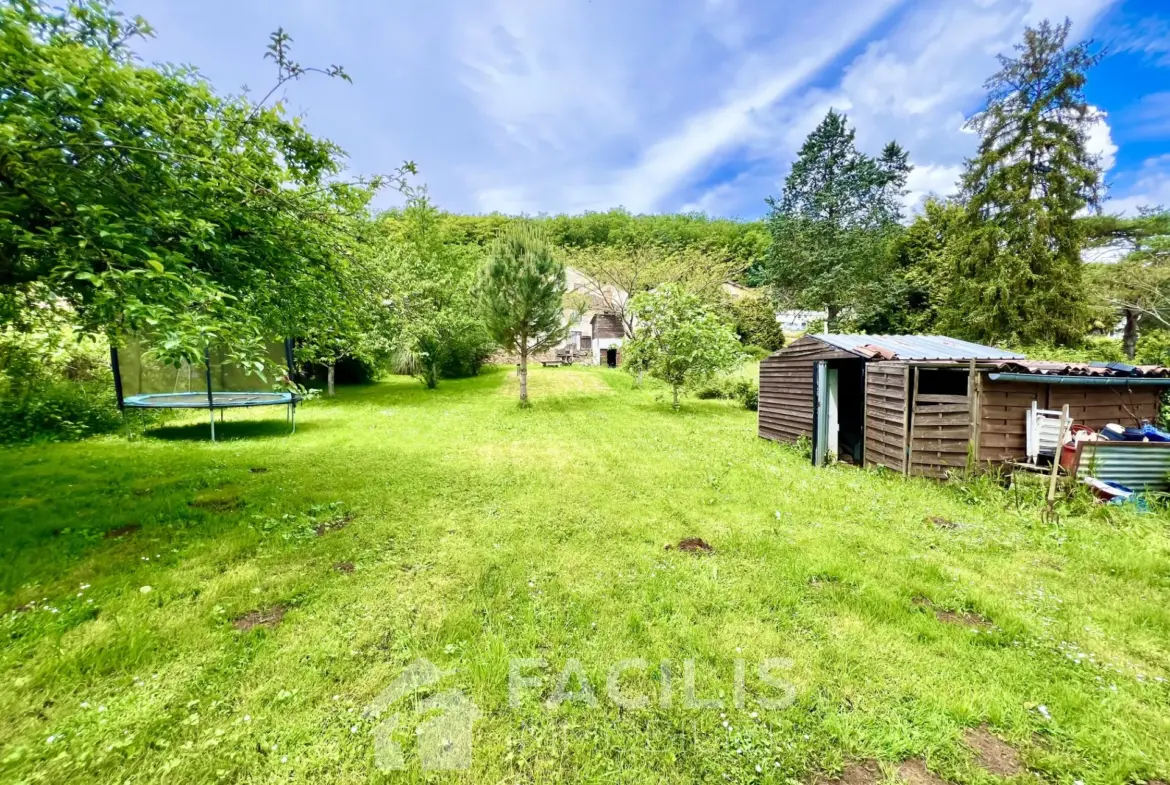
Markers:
point(551, 106)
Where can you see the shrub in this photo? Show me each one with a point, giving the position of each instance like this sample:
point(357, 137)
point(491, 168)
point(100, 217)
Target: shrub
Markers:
point(756, 353)
point(54, 385)
point(755, 322)
point(749, 396)
point(731, 388)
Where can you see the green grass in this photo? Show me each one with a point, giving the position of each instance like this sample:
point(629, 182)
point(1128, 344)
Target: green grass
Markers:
point(482, 532)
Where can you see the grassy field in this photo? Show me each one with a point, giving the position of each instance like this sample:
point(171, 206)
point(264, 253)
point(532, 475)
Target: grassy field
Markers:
point(184, 612)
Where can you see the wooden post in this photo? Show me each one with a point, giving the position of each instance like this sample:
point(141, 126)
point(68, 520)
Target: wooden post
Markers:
point(1056, 456)
point(908, 437)
point(973, 403)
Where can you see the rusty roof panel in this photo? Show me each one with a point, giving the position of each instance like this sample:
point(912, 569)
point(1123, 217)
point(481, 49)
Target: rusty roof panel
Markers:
point(916, 347)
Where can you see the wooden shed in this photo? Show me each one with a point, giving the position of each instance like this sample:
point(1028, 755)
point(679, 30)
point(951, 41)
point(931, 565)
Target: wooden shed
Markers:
point(925, 405)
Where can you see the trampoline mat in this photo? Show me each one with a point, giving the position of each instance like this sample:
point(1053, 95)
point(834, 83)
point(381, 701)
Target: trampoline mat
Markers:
point(218, 400)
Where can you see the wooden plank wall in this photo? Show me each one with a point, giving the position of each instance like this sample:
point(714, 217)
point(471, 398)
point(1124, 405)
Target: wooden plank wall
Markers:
point(941, 437)
point(1003, 406)
point(885, 415)
point(786, 388)
point(1096, 407)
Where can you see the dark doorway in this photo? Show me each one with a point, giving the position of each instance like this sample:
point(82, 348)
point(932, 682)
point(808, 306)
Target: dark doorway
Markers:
point(611, 357)
point(850, 409)
point(839, 414)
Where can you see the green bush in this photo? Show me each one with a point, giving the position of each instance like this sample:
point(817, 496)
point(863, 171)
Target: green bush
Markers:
point(756, 353)
point(731, 388)
point(750, 397)
point(755, 322)
point(54, 385)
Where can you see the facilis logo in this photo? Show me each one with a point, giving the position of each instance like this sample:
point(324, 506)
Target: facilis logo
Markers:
point(445, 719)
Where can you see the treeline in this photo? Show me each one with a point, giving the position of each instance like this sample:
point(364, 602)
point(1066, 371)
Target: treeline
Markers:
point(742, 244)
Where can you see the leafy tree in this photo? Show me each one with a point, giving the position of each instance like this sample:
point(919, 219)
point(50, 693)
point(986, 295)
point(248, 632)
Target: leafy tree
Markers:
point(442, 332)
point(907, 300)
point(522, 294)
point(1014, 271)
point(139, 200)
point(755, 321)
point(832, 224)
point(349, 320)
point(1137, 288)
point(612, 274)
point(680, 339)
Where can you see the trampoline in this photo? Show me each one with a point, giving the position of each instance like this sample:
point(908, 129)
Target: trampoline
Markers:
point(214, 384)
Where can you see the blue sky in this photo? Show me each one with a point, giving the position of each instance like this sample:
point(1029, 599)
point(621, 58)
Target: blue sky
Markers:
point(664, 105)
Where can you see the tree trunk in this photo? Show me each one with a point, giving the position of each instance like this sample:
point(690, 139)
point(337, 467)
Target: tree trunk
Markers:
point(1129, 335)
point(331, 367)
point(676, 403)
point(638, 378)
point(524, 376)
point(831, 312)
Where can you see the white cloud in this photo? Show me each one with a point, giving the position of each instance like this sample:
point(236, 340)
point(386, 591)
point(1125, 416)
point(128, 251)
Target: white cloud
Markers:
point(931, 180)
point(1148, 187)
point(561, 105)
point(1100, 140)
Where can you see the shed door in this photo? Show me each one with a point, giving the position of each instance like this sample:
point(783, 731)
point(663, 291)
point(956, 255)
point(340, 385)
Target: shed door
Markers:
point(885, 415)
point(820, 412)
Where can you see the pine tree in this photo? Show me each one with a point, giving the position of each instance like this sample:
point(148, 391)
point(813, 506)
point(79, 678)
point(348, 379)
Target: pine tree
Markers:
point(522, 295)
point(1015, 268)
point(831, 225)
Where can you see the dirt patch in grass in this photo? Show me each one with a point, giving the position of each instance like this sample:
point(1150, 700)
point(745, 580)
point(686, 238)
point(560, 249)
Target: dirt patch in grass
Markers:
point(122, 531)
point(866, 772)
point(962, 618)
point(269, 617)
point(993, 753)
point(339, 522)
point(820, 581)
point(217, 503)
point(344, 566)
point(692, 545)
point(940, 522)
point(259, 470)
point(914, 772)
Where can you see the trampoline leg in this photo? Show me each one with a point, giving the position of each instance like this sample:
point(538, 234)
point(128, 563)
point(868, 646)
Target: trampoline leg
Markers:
point(212, 424)
point(293, 417)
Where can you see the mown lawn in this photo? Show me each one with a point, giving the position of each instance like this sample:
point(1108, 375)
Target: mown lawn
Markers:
point(908, 614)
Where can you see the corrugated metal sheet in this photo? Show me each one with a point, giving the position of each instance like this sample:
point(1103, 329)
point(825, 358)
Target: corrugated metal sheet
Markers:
point(1136, 465)
point(1107, 370)
point(1108, 381)
point(916, 347)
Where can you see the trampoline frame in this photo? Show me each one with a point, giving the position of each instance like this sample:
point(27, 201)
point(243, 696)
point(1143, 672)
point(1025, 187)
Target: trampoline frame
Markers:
point(212, 400)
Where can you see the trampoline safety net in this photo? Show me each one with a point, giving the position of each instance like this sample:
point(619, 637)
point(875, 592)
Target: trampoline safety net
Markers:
point(145, 381)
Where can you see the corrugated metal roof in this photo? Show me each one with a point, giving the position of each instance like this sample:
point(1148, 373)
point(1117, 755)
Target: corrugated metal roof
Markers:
point(1112, 370)
point(916, 347)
